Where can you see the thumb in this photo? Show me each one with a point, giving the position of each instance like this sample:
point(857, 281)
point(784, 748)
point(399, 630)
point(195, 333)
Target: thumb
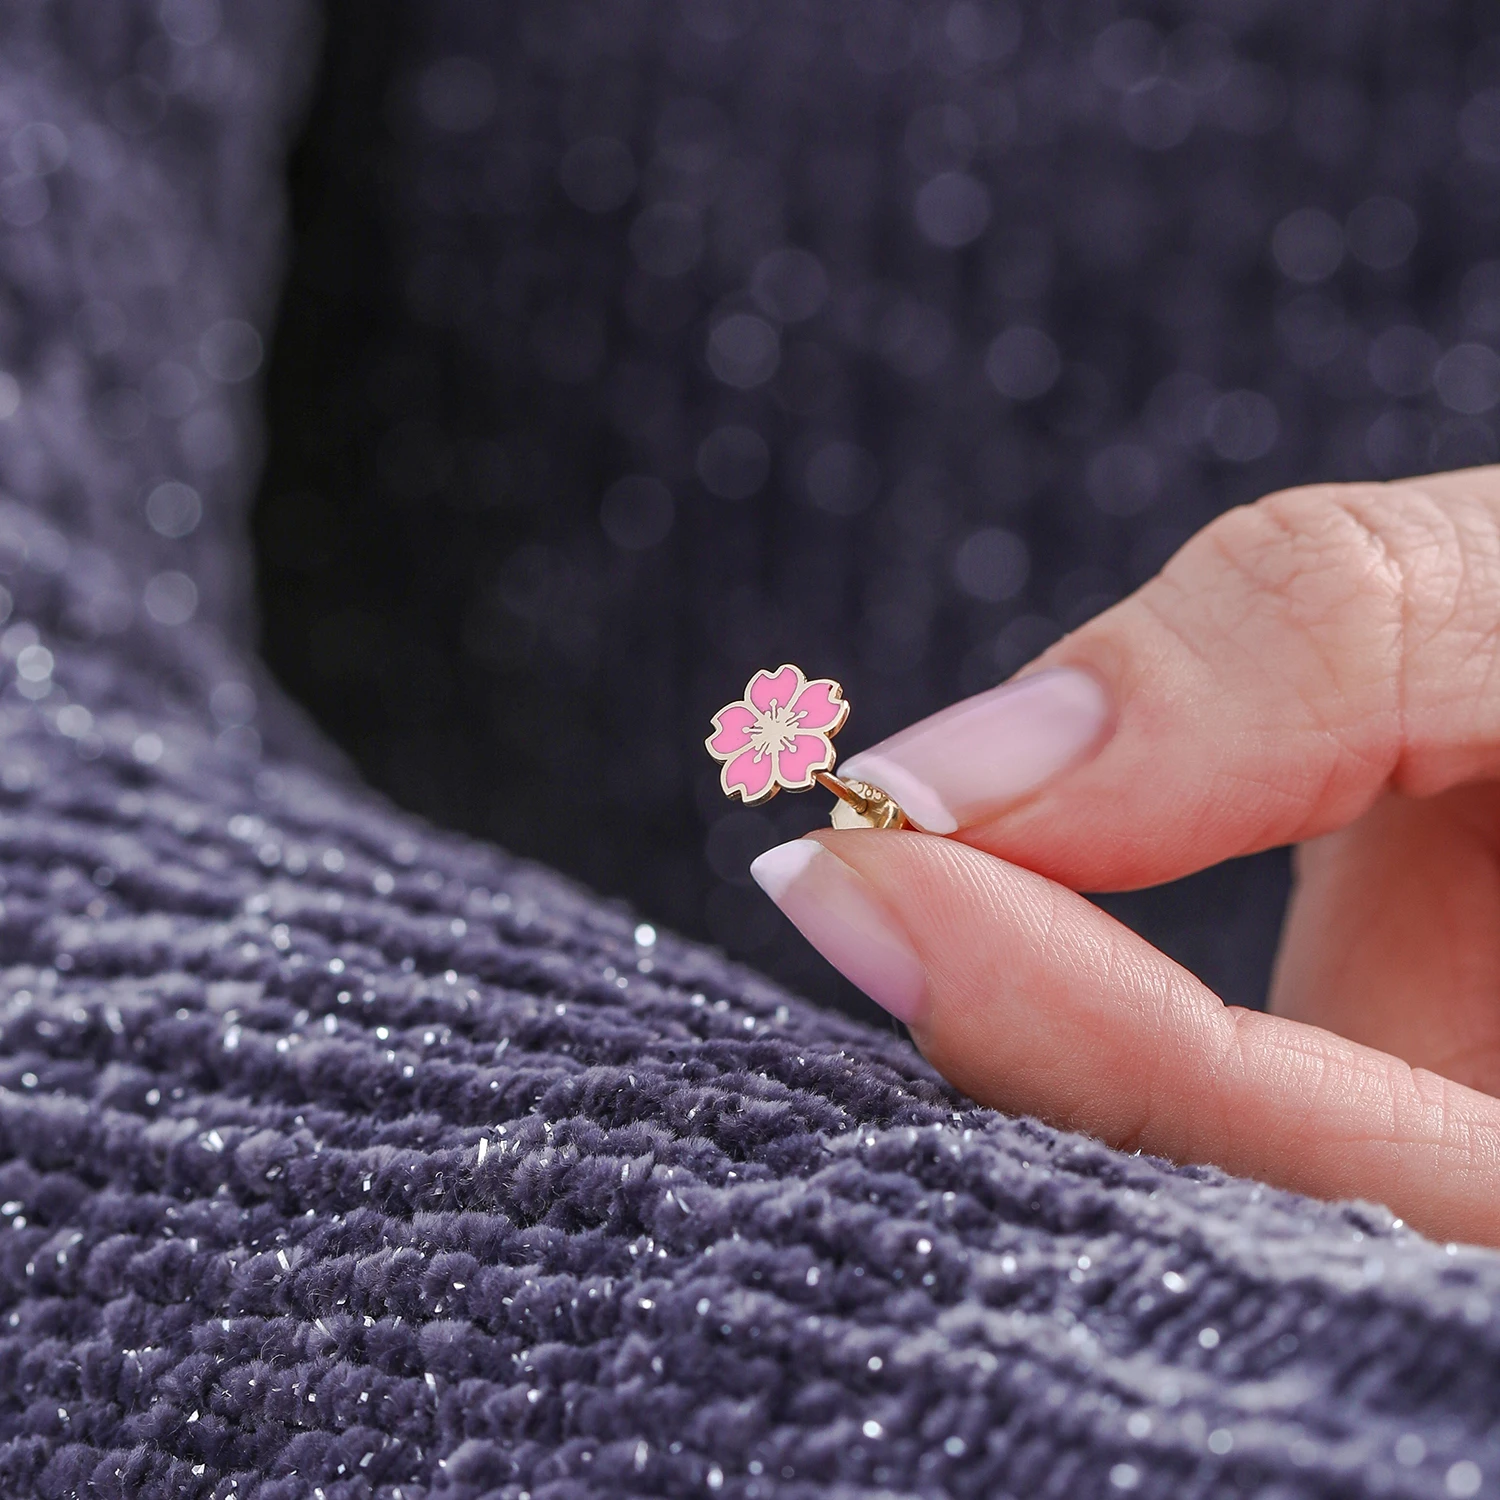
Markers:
point(1296, 659)
point(1031, 999)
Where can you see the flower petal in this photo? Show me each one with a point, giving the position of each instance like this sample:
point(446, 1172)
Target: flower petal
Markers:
point(768, 689)
point(806, 754)
point(753, 775)
point(732, 726)
point(820, 706)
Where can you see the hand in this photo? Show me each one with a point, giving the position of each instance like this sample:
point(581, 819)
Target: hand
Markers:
point(1321, 668)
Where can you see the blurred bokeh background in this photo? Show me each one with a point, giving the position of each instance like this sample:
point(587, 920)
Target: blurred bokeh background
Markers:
point(630, 345)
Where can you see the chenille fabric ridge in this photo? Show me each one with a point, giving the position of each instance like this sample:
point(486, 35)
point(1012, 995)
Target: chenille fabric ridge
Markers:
point(340, 1158)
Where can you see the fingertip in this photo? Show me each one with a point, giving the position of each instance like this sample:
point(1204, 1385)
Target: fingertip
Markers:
point(973, 760)
point(778, 869)
point(848, 921)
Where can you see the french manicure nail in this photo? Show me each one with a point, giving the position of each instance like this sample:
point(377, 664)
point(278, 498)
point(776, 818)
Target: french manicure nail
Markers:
point(837, 912)
point(973, 760)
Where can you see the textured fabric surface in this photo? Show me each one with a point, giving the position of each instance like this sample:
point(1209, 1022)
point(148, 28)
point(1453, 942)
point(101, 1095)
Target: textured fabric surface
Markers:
point(676, 338)
point(342, 1159)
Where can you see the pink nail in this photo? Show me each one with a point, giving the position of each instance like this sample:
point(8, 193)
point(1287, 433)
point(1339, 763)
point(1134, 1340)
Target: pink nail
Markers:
point(973, 760)
point(838, 913)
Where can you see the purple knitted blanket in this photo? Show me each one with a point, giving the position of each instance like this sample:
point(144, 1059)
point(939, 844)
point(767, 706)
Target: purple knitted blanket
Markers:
point(340, 1158)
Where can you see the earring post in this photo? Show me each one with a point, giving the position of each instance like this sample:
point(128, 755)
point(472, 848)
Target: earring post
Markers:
point(861, 805)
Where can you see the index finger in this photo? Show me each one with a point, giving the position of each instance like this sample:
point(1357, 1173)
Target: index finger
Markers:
point(1031, 999)
point(1296, 659)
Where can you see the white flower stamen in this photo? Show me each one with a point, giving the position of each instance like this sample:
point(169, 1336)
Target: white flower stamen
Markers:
point(775, 730)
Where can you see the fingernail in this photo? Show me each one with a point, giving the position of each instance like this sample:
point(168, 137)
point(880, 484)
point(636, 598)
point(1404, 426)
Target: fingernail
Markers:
point(973, 760)
point(837, 912)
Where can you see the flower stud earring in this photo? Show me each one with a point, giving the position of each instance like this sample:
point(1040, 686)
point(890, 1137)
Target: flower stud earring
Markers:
point(780, 736)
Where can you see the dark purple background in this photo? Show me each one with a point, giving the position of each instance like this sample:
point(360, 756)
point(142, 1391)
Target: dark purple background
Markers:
point(629, 347)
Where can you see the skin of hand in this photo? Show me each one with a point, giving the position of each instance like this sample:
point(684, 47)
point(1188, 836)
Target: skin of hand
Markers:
point(1322, 669)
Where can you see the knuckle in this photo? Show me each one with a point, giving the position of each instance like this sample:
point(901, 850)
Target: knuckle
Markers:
point(1351, 630)
point(1305, 587)
point(1375, 606)
point(1314, 552)
point(1428, 555)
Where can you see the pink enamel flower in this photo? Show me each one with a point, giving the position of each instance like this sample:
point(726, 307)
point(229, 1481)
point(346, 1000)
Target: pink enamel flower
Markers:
point(778, 735)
